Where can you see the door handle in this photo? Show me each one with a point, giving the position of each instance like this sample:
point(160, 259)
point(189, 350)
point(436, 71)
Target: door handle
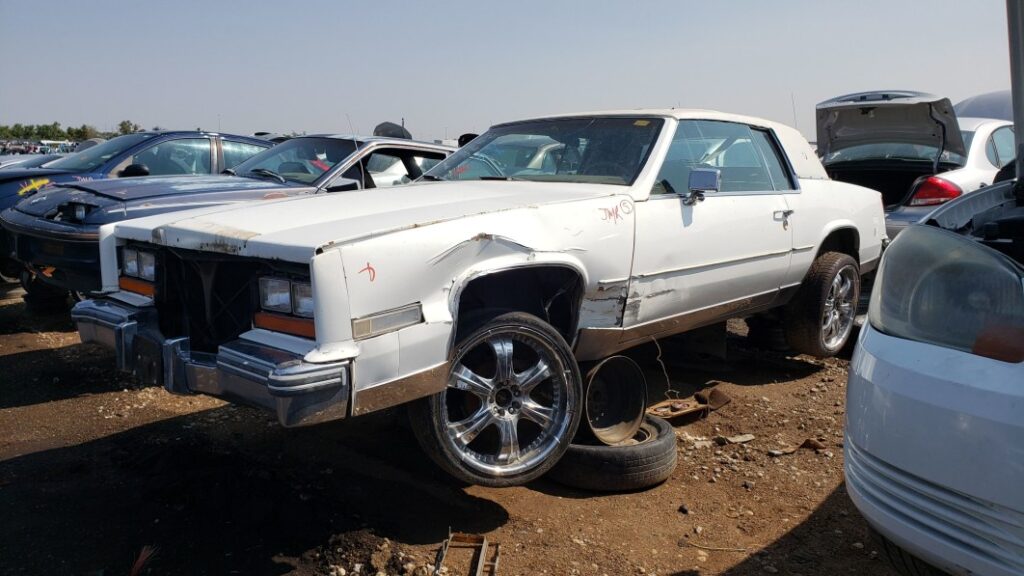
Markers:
point(783, 214)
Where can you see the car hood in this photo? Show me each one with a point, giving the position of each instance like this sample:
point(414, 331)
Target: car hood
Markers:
point(24, 181)
point(294, 229)
point(887, 117)
point(115, 200)
point(145, 188)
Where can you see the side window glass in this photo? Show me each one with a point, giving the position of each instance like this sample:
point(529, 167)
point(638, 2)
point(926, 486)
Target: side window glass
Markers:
point(386, 170)
point(1003, 140)
point(731, 148)
point(237, 152)
point(990, 152)
point(770, 152)
point(184, 156)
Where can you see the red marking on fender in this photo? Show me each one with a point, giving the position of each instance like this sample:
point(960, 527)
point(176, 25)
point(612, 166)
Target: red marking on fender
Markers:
point(626, 206)
point(610, 214)
point(371, 271)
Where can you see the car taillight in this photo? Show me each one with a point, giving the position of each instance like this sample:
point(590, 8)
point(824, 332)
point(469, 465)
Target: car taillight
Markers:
point(934, 190)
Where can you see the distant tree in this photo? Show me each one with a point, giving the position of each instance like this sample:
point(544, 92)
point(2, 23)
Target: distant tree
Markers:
point(127, 127)
point(156, 128)
point(18, 131)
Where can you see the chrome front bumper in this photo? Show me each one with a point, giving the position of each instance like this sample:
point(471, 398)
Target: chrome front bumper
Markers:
point(299, 392)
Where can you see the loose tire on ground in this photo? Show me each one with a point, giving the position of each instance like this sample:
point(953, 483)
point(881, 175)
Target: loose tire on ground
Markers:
point(829, 293)
point(42, 298)
point(621, 468)
point(512, 405)
point(904, 562)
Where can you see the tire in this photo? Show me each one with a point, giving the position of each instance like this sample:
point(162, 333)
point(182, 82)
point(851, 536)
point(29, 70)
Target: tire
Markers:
point(519, 425)
point(904, 562)
point(42, 298)
point(820, 318)
point(621, 468)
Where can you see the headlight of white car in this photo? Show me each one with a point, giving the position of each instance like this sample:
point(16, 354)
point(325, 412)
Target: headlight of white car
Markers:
point(938, 287)
point(138, 263)
point(276, 294)
point(302, 299)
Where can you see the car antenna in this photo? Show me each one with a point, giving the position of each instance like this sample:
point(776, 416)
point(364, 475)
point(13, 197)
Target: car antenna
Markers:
point(362, 170)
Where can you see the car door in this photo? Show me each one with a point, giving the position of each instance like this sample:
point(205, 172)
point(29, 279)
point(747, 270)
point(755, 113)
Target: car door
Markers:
point(174, 156)
point(724, 254)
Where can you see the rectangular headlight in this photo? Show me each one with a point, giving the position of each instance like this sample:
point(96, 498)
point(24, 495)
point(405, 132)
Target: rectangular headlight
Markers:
point(275, 295)
point(147, 266)
point(384, 322)
point(130, 261)
point(302, 299)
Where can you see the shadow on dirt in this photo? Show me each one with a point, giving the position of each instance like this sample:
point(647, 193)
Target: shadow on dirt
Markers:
point(816, 547)
point(224, 491)
point(40, 376)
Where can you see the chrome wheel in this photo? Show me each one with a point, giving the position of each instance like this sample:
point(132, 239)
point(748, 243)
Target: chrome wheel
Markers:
point(840, 308)
point(509, 401)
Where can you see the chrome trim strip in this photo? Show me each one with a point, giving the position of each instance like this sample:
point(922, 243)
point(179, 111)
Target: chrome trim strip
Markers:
point(399, 391)
point(597, 343)
point(712, 264)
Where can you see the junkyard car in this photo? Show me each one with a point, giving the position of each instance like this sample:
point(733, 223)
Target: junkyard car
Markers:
point(55, 233)
point(912, 148)
point(140, 154)
point(935, 400)
point(471, 296)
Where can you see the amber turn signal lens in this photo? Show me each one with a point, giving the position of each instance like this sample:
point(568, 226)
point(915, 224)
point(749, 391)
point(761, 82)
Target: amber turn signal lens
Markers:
point(1001, 342)
point(136, 285)
point(287, 324)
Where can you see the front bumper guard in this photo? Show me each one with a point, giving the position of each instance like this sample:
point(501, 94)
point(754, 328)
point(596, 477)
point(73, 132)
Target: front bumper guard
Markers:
point(299, 392)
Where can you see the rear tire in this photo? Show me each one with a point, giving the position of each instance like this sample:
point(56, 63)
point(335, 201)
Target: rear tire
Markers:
point(512, 405)
point(621, 468)
point(820, 318)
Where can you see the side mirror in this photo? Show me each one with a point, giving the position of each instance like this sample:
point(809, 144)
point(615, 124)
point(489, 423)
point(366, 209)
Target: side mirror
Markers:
point(134, 170)
point(702, 180)
point(342, 184)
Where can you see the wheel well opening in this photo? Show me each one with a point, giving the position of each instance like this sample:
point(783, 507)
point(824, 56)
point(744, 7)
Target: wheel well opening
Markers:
point(552, 293)
point(845, 240)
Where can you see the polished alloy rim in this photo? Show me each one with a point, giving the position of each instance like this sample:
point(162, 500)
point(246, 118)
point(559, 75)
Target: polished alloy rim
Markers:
point(838, 316)
point(507, 402)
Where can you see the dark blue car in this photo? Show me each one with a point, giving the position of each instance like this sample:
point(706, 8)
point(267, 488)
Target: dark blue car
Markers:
point(53, 235)
point(140, 154)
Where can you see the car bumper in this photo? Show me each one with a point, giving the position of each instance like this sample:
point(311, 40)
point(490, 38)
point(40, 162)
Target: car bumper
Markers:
point(897, 220)
point(934, 458)
point(299, 392)
point(63, 255)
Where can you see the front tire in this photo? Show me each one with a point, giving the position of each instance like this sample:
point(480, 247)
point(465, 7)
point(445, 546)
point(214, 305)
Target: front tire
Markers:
point(511, 407)
point(821, 316)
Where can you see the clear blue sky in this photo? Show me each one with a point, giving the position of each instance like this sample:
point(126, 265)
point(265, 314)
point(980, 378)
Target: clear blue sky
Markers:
point(463, 65)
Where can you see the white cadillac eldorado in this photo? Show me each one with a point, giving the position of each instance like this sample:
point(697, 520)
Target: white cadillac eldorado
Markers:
point(473, 293)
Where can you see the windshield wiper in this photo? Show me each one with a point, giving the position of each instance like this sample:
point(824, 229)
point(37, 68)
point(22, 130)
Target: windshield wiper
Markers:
point(268, 172)
point(228, 171)
point(505, 178)
point(431, 178)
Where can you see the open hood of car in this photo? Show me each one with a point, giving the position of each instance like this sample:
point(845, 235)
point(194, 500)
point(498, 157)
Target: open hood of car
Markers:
point(888, 117)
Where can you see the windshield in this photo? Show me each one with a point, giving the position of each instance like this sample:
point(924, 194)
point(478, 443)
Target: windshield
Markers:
point(896, 151)
point(302, 160)
point(91, 159)
point(597, 150)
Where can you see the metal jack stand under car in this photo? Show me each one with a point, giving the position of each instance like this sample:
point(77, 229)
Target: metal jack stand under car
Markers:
point(486, 554)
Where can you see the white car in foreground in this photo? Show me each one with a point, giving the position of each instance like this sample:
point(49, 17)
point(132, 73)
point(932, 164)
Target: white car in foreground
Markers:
point(473, 294)
point(935, 400)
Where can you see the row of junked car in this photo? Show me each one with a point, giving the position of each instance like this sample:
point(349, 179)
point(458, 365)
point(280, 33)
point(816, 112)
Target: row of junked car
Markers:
point(485, 288)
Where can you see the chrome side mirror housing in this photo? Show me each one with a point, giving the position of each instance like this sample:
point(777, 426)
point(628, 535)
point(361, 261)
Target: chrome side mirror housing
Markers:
point(702, 180)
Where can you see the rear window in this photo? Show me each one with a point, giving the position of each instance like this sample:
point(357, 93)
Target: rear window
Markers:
point(894, 151)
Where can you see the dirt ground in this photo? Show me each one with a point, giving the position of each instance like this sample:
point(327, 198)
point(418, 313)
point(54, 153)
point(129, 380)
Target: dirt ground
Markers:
point(98, 474)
